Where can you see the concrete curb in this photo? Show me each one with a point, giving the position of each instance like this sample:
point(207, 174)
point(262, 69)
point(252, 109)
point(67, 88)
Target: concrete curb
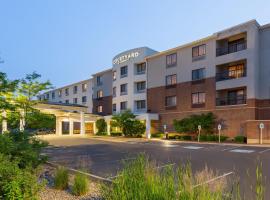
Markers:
point(92, 176)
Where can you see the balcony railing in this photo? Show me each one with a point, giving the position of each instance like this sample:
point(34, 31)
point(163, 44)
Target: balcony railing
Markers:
point(231, 74)
point(240, 99)
point(231, 48)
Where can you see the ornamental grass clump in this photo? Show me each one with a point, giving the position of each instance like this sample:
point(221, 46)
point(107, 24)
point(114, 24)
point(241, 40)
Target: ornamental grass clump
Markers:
point(80, 185)
point(61, 178)
point(143, 180)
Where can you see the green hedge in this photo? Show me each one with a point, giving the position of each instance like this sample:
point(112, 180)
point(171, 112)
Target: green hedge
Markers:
point(157, 135)
point(101, 133)
point(212, 138)
point(180, 137)
point(116, 134)
point(240, 139)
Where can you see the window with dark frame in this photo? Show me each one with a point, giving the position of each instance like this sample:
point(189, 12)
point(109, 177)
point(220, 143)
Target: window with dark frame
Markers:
point(124, 71)
point(67, 91)
point(140, 86)
point(199, 51)
point(198, 74)
point(75, 89)
point(99, 80)
point(140, 68)
point(140, 105)
point(47, 96)
point(53, 95)
point(84, 99)
point(171, 79)
point(170, 101)
point(123, 105)
point(123, 89)
point(171, 60)
point(198, 98)
point(67, 101)
point(114, 107)
point(114, 91)
point(59, 93)
point(75, 100)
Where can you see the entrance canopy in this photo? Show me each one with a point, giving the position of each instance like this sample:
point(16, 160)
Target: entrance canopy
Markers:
point(69, 116)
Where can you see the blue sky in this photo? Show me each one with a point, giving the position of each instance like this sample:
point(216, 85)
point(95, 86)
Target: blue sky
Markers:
point(68, 40)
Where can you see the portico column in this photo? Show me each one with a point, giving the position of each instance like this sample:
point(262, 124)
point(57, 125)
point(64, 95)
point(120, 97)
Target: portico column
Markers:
point(22, 120)
point(94, 128)
point(108, 127)
point(148, 128)
point(4, 122)
point(71, 127)
point(58, 127)
point(82, 123)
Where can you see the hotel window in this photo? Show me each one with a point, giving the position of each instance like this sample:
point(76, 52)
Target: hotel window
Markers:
point(84, 99)
point(140, 105)
point(198, 74)
point(67, 101)
point(84, 87)
point(236, 71)
point(47, 96)
point(75, 89)
point(170, 101)
point(171, 60)
point(124, 71)
point(140, 68)
point(59, 93)
point(123, 105)
point(198, 98)
point(114, 91)
point(171, 79)
point(75, 100)
point(99, 80)
point(140, 86)
point(114, 75)
point(99, 94)
point(66, 91)
point(59, 101)
point(114, 107)
point(99, 109)
point(123, 89)
point(53, 95)
point(198, 51)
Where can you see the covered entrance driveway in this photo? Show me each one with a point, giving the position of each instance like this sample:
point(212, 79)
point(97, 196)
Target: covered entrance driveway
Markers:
point(71, 119)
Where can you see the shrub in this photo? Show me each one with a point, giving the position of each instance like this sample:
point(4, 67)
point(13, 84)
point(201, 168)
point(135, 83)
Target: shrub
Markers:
point(101, 126)
point(16, 183)
point(212, 138)
point(157, 135)
point(101, 133)
point(61, 178)
point(81, 185)
point(116, 134)
point(128, 124)
point(190, 124)
point(240, 139)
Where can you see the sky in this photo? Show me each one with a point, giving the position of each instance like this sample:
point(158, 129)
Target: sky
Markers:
point(68, 40)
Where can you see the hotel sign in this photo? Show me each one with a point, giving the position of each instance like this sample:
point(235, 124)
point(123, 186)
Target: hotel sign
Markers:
point(125, 57)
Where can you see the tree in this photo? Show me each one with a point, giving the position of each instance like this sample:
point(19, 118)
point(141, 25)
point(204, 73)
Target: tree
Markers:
point(101, 126)
point(28, 89)
point(190, 124)
point(128, 124)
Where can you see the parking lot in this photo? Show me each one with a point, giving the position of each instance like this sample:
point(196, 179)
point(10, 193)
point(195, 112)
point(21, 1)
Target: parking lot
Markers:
point(104, 158)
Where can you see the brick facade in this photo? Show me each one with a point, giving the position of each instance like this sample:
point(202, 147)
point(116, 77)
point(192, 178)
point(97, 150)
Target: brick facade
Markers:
point(106, 103)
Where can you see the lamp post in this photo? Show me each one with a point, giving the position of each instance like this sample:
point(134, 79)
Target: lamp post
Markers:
point(199, 130)
point(261, 132)
point(219, 129)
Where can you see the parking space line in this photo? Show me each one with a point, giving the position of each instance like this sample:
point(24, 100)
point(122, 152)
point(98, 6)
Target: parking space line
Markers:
point(241, 151)
point(231, 148)
point(264, 150)
point(193, 147)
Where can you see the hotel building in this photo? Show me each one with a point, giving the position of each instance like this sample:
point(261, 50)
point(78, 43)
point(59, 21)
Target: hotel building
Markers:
point(226, 73)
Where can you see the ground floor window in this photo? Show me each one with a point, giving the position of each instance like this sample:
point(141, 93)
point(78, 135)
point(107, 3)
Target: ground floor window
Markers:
point(198, 98)
point(170, 101)
point(140, 104)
